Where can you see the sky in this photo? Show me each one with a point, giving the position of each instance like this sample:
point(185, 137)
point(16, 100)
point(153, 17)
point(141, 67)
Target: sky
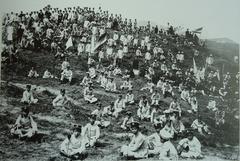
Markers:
point(219, 18)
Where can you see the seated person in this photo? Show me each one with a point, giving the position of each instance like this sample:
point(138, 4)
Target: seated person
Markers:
point(33, 73)
point(47, 74)
point(143, 99)
point(149, 86)
point(129, 98)
point(159, 84)
point(24, 127)
point(101, 121)
point(117, 71)
point(168, 151)
point(178, 126)
point(108, 110)
point(66, 75)
point(91, 132)
point(61, 100)
point(154, 142)
point(167, 90)
point(143, 112)
point(137, 148)
point(168, 128)
point(111, 85)
point(199, 125)
point(92, 72)
point(190, 147)
point(194, 104)
point(65, 64)
point(127, 121)
point(102, 79)
point(88, 95)
point(74, 146)
point(212, 105)
point(119, 105)
point(155, 98)
point(127, 84)
point(28, 96)
point(86, 80)
point(175, 106)
point(185, 95)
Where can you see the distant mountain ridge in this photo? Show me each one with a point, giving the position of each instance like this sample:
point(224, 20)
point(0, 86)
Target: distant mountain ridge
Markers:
point(223, 40)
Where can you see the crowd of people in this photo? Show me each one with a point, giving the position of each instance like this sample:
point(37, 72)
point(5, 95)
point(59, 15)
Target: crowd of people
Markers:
point(118, 48)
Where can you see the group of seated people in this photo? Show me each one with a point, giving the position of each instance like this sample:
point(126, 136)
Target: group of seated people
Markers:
point(159, 143)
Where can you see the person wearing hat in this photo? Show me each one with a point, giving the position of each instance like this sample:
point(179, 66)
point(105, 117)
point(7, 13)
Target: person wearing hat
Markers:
point(119, 105)
point(91, 131)
point(127, 121)
point(66, 75)
point(28, 96)
point(88, 94)
point(111, 85)
point(190, 147)
point(168, 151)
point(127, 84)
point(137, 148)
point(25, 126)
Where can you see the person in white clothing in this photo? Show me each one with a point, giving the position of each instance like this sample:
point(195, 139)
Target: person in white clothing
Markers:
point(28, 96)
point(88, 95)
point(137, 148)
point(61, 100)
point(91, 132)
point(127, 121)
point(168, 151)
point(190, 147)
point(129, 98)
point(111, 85)
point(127, 84)
point(47, 74)
point(25, 127)
point(155, 98)
point(66, 75)
point(154, 143)
point(74, 145)
point(33, 73)
point(119, 105)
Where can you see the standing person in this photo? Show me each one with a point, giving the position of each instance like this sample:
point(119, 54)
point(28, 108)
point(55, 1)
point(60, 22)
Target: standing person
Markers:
point(137, 148)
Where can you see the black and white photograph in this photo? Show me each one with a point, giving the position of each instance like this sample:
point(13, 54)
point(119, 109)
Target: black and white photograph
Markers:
point(119, 80)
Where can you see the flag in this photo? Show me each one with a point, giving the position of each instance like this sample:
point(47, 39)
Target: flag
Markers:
point(195, 71)
point(101, 40)
point(198, 30)
point(69, 42)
